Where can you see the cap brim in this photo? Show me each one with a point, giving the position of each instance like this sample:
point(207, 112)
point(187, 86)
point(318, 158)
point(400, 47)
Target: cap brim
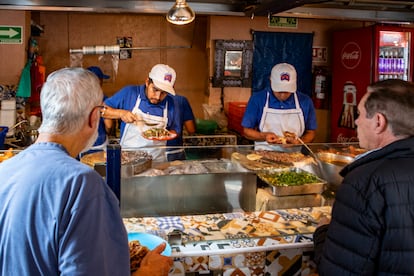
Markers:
point(105, 77)
point(163, 87)
point(281, 87)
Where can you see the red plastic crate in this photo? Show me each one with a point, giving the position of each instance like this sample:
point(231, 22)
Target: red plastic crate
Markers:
point(235, 116)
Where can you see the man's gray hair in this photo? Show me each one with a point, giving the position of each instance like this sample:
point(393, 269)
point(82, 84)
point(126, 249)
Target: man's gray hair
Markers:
point(67, 99)
point(394, 98)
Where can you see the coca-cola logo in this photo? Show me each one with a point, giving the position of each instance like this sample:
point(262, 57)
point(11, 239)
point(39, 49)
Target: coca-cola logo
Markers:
point(351, 55)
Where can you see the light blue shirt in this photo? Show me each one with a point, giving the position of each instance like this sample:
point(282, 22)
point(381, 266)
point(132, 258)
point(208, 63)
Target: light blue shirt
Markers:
point(58, 217)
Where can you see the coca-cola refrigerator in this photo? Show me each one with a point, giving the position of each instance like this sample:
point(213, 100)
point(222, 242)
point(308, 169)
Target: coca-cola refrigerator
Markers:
point(360, 57)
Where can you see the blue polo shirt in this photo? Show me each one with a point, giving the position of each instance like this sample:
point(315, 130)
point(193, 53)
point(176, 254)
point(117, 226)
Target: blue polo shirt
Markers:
point(127, 97)
point(185, 114)
point(257, 101)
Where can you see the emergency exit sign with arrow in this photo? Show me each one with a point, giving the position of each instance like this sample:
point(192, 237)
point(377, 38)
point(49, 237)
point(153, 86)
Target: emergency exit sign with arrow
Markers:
point(11, 34)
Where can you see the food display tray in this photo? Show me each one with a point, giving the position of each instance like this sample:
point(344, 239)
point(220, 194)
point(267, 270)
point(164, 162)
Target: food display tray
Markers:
point(303, 189)
point(257, 165)
point(136, 167)
point(132, 162)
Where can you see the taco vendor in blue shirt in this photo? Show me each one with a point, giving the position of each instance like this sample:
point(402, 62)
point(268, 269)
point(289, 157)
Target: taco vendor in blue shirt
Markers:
point(139, 105)
point(280, 114)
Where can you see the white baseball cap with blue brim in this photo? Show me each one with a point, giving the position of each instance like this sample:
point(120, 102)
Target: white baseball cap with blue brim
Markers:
point(163, 77)
point(283, 78)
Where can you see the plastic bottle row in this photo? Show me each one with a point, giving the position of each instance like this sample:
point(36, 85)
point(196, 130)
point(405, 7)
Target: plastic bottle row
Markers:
point(392, 76)
point(391, 61)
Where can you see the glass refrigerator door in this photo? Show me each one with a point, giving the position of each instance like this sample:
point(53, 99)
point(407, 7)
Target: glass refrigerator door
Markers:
point(394, 55)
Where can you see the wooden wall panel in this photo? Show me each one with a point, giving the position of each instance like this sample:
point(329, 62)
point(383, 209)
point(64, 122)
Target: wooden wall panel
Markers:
point(188, 49)
point(181, 47)
point(14, 56)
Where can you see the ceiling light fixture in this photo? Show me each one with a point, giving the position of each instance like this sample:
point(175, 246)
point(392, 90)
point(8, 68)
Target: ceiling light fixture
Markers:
point(180, 13)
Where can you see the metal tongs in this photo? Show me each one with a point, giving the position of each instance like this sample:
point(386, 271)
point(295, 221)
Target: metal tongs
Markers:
point(315, 157)
point(296, 137)
point(306, 146)
point(146, 123)
point(139, 119)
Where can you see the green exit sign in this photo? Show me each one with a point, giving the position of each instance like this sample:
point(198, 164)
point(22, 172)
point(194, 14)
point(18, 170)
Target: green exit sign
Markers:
point(284, 22)
point(11, 34)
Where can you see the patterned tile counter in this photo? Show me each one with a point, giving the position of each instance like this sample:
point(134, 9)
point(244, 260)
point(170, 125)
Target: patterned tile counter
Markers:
point(274, 242)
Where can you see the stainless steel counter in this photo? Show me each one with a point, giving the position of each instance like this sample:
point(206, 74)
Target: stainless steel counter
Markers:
point(224, 188)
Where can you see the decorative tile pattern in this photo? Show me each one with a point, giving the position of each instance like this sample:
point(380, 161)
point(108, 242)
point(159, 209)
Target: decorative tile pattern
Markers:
point(308, 266)
point(242, 243)
point(239, 243)
point(255, 259)
point(137, 224)
point(257, 271)
point(269, 215)
point(283, 262)
point(216, 262)
point(194, 264)
point(280, 225)
point(237, 272)
point(177, 268)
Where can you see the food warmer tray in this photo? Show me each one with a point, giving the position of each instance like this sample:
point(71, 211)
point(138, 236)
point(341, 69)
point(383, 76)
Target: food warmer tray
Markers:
point(306, 188)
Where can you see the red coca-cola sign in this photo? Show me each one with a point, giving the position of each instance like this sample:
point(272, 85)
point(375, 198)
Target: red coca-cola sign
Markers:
point(351, 55)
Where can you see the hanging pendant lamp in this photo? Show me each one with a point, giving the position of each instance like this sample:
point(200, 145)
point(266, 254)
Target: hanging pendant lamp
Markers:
point(180, 13)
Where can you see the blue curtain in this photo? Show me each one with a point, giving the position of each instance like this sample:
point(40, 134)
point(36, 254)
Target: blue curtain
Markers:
point(271, 48)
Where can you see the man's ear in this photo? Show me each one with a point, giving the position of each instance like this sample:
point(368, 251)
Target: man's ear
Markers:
point(94, 117)
point(381, 122)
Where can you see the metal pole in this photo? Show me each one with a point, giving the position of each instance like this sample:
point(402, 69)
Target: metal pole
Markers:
point(113, 169)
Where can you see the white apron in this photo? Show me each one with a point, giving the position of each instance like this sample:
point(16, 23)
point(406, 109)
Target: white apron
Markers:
point(280, 120)
point(132, 136)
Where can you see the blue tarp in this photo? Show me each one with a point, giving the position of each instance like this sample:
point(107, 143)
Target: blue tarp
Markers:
point(271, 48)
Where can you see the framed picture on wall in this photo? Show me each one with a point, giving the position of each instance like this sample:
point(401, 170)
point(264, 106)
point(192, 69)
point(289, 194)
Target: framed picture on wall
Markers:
point(233, 63)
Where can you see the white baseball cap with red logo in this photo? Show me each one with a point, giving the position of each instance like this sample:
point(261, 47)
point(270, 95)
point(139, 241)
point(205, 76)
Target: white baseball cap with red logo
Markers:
point(163, 77)
point(283, 78)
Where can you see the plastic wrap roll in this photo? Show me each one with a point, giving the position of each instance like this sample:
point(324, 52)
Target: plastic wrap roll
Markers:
point(97, 50)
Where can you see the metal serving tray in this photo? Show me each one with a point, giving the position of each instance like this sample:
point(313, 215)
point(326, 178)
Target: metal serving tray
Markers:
point(302, 189)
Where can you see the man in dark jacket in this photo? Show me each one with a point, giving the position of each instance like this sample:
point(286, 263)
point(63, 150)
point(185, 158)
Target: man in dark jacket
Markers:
point(372, 227)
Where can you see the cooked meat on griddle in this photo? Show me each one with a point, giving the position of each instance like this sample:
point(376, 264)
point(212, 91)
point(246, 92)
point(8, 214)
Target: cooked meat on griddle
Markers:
point(285, 157)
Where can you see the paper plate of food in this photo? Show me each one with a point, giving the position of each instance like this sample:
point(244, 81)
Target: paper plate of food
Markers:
point(140, 244)
point(149, 241)
point(159, 134)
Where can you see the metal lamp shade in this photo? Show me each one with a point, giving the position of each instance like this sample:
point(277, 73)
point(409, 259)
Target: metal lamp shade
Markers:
point(180, 13)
